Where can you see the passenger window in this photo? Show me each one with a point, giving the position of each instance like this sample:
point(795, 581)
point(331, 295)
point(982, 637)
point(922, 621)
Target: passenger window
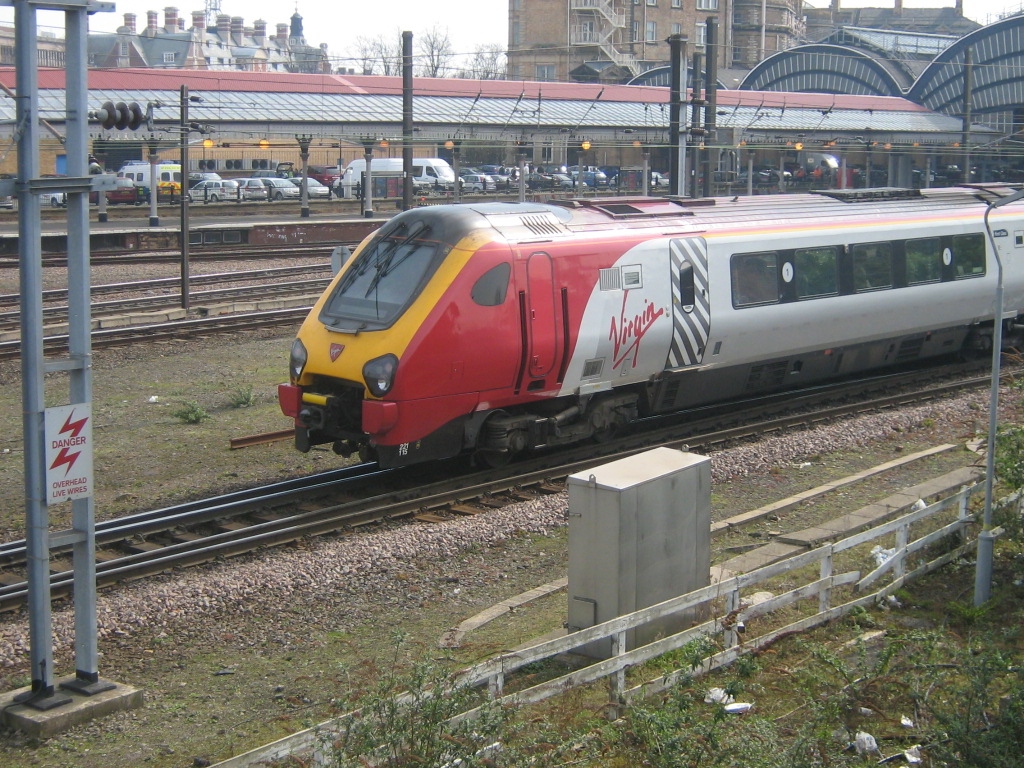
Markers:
point(924, 261)
point(492, 286)
point(817, 272)
point(872, 266)
point(969, 255)
point(754, 279)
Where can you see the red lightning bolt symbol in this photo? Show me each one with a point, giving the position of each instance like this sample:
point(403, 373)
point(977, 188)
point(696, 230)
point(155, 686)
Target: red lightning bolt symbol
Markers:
point(74, 427)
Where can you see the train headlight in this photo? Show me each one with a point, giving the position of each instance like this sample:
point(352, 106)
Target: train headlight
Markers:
point(379, 374)
point(297, 360)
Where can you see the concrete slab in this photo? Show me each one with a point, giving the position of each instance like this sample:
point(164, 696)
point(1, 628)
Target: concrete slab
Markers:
point(760, 557)
point(81, 709)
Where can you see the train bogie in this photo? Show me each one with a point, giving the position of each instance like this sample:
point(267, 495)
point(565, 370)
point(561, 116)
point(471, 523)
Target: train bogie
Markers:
point(500, 328)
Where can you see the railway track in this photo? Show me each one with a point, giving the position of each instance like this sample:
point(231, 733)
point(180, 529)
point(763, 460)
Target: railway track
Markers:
point(197, 254)
point(345, 499)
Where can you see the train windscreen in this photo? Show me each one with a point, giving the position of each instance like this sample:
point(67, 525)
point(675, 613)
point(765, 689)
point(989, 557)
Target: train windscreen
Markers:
point(385, 277)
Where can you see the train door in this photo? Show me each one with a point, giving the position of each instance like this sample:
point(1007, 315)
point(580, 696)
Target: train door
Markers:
point(540, 322)
point(691, 309)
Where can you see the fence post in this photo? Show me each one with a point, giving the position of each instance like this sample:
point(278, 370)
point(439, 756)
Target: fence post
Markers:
point(732, 605)
point(962, 513)
point(825, 572)
point(496, 685)
point(902, 537)
point(617, 683)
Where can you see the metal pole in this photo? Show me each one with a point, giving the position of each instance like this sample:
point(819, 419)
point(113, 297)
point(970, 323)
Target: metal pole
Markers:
point(87, 679)
point(183, 127)
point(983, 572)
point(37, 519)
point(154, 219)
point(696, 101)
point(456, 157)
point(711, 103)
point(966, 140)
point(304, 156)
point(368, 182)
point(677, 92)
point(407, 127)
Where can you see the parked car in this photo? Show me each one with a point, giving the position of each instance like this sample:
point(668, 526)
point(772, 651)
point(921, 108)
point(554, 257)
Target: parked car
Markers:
point(53, 199)
point(565, 181)
point(313, 187)
point(658, 180)
point(538, 180)
point(213, 191)
point(197, 176)
point(125, 192)
point(252, 189)
point(325, 174)
point(478, 182)
point(279, 189)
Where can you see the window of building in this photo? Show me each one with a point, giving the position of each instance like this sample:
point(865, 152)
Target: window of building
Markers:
point(872, 266)
point(168, 58)
point(636, 31)
point(707, 5)
point(677, 3)
point(924, 261)
point(515, 33)
point(817, 272)
point(677, 29)
point(754, 279)
point(545, 72)
point(701, 35)
point(652, 2)
point(124, 49)
point(652, 30)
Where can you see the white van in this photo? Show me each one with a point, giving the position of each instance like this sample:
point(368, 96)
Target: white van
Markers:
point(168, 175)
point(427, 173)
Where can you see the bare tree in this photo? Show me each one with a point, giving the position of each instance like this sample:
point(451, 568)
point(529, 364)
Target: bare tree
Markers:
point(435, 52)
point(487, 63)
point(381, 55)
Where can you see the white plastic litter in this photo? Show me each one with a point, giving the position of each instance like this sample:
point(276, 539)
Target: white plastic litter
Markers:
point(738, 708)
point(866, 712)
point(865, 744)
point(906, 722)
point(153, 399)
point(718, 696)
point(918, 505)
point(913, 755)
point(881, 555)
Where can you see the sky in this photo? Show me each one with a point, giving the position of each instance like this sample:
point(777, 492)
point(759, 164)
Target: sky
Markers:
point(469, 23)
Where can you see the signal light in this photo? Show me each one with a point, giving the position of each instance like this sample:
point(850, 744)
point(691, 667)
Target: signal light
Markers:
point(120, 116)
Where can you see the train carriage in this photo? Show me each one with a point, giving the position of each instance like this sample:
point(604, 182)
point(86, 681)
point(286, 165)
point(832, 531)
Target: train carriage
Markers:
point(497, 328)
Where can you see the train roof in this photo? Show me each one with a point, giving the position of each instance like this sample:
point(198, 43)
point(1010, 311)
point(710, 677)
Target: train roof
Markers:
point(533, 221)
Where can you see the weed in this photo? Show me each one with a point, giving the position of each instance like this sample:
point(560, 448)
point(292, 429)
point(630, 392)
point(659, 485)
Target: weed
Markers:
point(242, 397)
point(968, 615)
point(190, 412)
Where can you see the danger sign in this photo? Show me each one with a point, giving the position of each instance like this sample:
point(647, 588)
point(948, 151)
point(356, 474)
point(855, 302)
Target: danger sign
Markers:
point(68, 434)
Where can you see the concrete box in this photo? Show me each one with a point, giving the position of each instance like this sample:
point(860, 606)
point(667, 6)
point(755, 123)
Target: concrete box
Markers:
point(639, 534)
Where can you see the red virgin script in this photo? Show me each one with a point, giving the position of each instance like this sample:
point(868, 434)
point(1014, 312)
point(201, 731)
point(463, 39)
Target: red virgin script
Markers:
point(627, 332)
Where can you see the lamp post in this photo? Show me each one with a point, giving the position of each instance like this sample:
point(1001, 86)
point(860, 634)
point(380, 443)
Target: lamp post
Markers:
point(154, 219)
point(454, 146)
point(304, 140)
point(183, 127)
point(368, 180)
point(580, 156)
point(986, 539)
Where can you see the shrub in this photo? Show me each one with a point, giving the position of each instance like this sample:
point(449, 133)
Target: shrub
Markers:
point(242, 397)
point(190, 412)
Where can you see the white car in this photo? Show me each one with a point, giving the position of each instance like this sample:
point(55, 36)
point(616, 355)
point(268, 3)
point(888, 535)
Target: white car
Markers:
point(52, 199)
point(313, 188)
point(279, 189)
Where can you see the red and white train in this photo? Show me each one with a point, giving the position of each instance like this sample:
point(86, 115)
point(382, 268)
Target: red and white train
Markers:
point(498, 328)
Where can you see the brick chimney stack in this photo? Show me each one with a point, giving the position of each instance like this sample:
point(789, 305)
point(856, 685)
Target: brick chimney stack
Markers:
point(223, 25)
point(259, 30)
point(129, 22)
point(282, 33)
point(170, 20)
point(959, 7)
point(151, 23)
point(198, 20)
point(899, 8)
point(237, 29)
